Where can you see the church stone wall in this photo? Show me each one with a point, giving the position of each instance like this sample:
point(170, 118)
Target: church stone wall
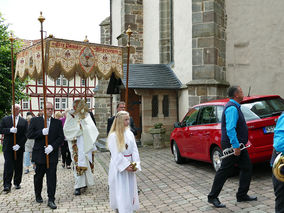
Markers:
point(208, 51)
point(103, 100)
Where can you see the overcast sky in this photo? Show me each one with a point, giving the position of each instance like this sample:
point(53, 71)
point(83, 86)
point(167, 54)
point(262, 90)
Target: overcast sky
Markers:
point(67, 19)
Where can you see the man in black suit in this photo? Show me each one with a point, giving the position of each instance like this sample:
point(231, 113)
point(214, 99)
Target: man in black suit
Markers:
point(54, 131)
point(11, 165)
point(121, 107)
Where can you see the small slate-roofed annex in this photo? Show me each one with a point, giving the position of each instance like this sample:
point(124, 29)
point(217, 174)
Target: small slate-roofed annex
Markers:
point(156, 87)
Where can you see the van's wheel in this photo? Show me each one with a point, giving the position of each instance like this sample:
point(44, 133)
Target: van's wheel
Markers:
point(177, 157)
point(215, 157)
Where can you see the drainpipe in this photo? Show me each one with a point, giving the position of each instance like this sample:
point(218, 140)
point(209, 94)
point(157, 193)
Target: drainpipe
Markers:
point(177, 105)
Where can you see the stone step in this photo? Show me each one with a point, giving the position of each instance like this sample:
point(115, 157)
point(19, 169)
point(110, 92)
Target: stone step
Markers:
point(101, 144)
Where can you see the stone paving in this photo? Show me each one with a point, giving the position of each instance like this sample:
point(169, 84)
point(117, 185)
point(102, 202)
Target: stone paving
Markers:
point(165, 187)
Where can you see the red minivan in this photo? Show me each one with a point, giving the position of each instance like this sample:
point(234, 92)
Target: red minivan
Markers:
point(198, 135)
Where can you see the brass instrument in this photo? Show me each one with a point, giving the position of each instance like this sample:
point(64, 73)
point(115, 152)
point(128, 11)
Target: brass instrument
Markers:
point(230, 151)
point(277, 166)
point(133, 165)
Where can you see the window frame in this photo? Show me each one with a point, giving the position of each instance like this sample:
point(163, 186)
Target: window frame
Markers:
point(189, 113)
point(57, 102)
point(40, 81)
point(152, 106)
point(166, 105)
point(202, 109)
point(25, 102)
point(41, 103)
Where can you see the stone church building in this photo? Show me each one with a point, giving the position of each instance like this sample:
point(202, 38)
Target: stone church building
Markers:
point(184, 52)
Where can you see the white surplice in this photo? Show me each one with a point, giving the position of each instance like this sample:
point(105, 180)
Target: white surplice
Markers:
point(86, 133)
point(122, 184)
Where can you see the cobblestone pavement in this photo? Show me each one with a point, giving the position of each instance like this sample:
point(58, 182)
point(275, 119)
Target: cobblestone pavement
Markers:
point(165, 187)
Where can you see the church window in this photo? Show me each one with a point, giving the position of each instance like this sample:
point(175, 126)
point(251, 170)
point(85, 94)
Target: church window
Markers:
point(155, 106)
point(166, 106)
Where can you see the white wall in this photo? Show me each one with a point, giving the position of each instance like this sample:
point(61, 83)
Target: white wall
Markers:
point(116, 20)
point(183, 103)
point(151, 32)
point(182, 49)
point(183, 40)
point(255, 45)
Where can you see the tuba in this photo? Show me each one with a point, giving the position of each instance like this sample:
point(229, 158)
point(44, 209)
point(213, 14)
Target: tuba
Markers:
point(277, 167)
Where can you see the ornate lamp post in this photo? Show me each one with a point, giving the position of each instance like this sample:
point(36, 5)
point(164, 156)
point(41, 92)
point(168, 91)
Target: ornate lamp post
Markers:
point(41, 20)
point(128, 32)
point(13, 89)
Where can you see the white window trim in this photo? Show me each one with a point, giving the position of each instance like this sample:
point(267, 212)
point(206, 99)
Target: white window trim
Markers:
point(25, 102)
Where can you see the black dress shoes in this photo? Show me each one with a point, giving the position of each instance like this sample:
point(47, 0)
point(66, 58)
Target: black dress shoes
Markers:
point(216, 202)
point(39, 199)
point(7, 189)
point(17, 186)
point(77, 192)
point(51, 204)
point(246, 198)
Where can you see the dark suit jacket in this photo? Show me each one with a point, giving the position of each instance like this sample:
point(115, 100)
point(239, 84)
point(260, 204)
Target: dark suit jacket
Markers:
point(21, 138)
point(55, 138)
point(132, 126)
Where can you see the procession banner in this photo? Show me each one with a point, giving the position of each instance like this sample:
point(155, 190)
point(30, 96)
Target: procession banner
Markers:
point(65, 57)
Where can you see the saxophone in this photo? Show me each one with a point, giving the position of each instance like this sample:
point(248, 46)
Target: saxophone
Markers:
point(277, 167)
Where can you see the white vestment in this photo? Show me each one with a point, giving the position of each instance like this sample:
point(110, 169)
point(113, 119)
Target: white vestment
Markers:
point(122, 184)
point(84, 132)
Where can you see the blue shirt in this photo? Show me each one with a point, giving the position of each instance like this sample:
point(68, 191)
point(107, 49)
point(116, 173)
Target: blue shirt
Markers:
point(232, 117)
point(278, 139)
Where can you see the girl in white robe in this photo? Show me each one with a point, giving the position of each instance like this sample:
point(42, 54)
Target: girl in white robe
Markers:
point(122, 178)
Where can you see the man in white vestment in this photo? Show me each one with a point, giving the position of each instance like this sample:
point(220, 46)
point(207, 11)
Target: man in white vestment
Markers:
point(81, 133)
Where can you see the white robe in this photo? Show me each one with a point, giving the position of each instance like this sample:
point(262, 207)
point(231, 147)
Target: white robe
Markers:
point(122, 184)
point(86, 138)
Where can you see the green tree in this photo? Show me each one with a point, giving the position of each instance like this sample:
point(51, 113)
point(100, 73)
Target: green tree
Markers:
point(5, 71)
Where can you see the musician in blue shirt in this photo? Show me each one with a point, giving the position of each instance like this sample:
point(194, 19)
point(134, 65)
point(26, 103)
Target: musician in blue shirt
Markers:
point(234, 132)
point(278, 146)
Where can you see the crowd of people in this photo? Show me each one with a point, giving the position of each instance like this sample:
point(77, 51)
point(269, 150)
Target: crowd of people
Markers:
point(76, 133)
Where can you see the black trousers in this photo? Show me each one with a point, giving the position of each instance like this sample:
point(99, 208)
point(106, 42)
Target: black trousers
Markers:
point(279, 194)
point(227, 167)
point(40, 171)
point(66, 156)
point(12, 167)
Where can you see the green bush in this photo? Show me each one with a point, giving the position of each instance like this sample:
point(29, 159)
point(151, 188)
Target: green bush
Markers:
point(158, 125)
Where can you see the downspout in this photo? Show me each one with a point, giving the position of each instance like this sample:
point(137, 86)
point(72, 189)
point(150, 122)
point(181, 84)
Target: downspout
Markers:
point(171, 64)
point(177, 105)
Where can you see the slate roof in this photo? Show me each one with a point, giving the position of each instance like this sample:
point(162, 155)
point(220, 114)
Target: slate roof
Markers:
point(151, 76)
